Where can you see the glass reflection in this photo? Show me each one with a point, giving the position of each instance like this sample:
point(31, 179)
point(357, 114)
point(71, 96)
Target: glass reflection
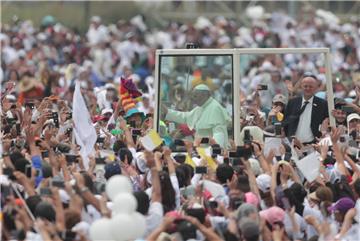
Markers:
point(196, 98)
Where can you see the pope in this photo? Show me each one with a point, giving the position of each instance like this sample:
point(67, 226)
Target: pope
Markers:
point(209, 118)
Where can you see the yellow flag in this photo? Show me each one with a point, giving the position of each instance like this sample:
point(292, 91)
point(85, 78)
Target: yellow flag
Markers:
point(211, 163)
point(189, 161)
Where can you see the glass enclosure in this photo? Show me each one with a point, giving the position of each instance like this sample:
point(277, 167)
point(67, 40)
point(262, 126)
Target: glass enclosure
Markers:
point(180, 76)
point(235, 79)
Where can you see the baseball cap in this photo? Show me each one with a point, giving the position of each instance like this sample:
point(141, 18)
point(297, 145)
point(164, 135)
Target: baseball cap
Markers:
point(342, 205)
point(255, 166)
point(106, 110)
point(251, 198)
point(353, 116)
point(273, 215)
point(202, 87)
point(112, 169)
point(264, 182)
point(279, 98)
point(109, 86)
point(45, 210)
point(249, 229)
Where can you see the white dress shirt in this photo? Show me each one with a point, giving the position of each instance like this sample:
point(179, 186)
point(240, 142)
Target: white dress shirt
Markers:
point(303, 131)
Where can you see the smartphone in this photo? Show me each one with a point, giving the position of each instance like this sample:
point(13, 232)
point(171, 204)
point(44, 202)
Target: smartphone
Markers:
point(55, 117)
point(201, 170)
point(277, 129)
point(233, 154)
point(262, 87)
point(213, 204)
point(58, 183)
point(45, 154)
point(236, 162)
point(136, 132)
point(347, 109)
point(68, 131)
point(71, 158)
point(180, 158)
point(226, 160)
point(247, 137)
point(216, 151)
point(30, 105)
point(244, 152)
point(18, 129)
point(69, 116)
point(100, 160)
point(100, 139)
point(180, 149)
point(134, 138)
point(172, 127)
point(9, 172)
point(45, 191)
point(28, 170)
point(287, 156)
point(205, 140)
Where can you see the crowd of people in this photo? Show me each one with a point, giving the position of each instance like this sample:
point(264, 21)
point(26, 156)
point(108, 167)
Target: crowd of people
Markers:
point(293, 176)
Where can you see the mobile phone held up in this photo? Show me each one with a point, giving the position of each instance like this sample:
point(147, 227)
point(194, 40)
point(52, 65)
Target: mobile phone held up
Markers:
point(201, 170)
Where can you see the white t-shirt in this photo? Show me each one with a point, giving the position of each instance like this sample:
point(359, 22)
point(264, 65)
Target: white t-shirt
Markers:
point(154, 217)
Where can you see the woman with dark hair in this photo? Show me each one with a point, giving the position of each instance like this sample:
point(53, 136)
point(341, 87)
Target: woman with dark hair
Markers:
point(167, 192)
point(13, 76)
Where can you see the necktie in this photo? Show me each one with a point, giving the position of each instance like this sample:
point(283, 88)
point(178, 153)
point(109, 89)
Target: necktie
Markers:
point(303, 108)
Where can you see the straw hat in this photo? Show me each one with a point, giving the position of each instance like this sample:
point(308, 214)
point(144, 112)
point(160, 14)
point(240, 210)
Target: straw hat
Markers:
point(28, 83)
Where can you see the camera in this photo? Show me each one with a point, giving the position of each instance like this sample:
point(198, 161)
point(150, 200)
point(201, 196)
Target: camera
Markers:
point(29, 105)
point(205, 140)
point(136, 132)
point(277, 129)
point(55, 117)
point(71, 158)
point(100, 160)
point(58, 183)
point(262, 87)
point(191, 46)
point(100, 139)
point(247, 137)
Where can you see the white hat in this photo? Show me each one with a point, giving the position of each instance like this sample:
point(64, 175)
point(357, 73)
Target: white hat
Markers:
point(64, 196)
point(255, 166)
point(11, 97)
point(95, 19)
point(106, 110)
point(202, 87)
point(352, 117)
point(264, 182)
point(109, 86)
point(279, 98)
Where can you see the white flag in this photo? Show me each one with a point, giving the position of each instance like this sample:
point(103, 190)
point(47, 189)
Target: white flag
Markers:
point(84, 131)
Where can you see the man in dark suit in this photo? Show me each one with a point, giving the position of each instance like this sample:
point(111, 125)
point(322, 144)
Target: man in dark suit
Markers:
point(305, 114)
